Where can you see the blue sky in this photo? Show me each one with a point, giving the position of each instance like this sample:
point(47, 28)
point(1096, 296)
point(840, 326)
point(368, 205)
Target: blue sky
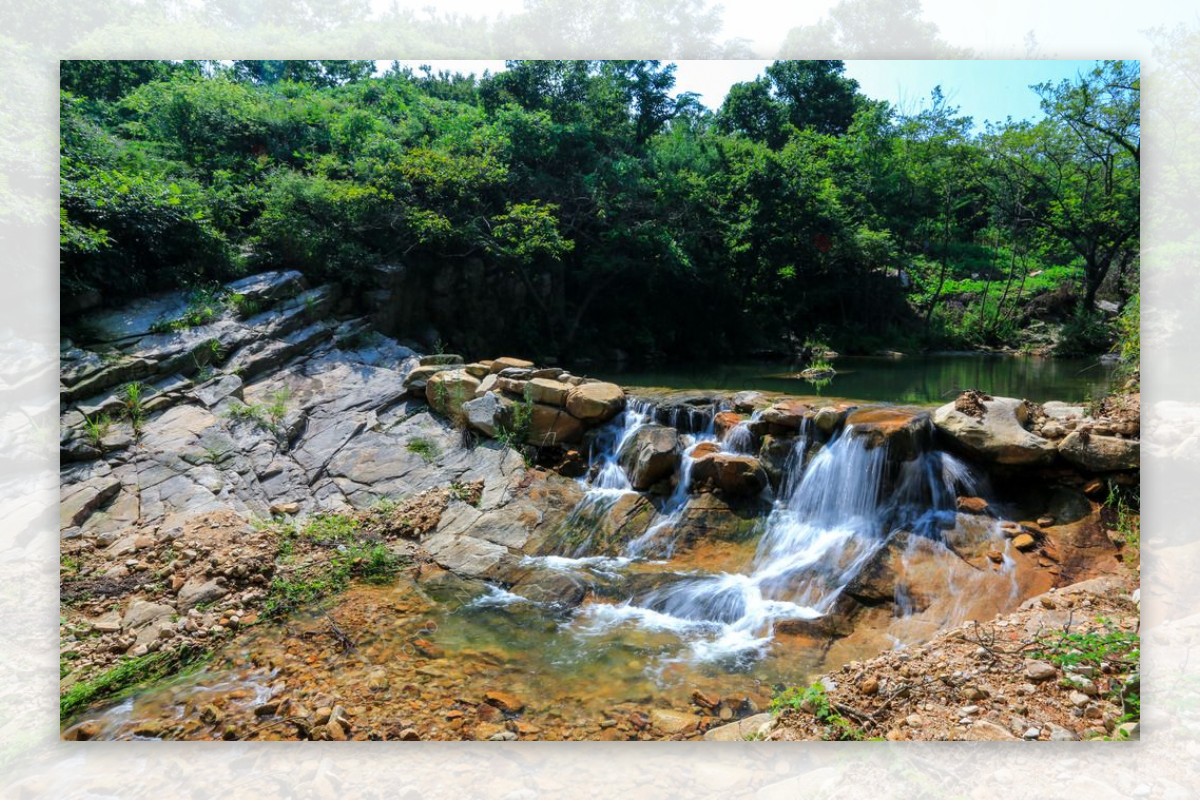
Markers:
point(983, 90)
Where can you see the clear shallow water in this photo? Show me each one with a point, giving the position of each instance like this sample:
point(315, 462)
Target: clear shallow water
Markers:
point(925, 380)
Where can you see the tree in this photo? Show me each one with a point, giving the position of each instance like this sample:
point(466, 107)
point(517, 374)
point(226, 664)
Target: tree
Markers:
point(807, 95)
point(1080, 168)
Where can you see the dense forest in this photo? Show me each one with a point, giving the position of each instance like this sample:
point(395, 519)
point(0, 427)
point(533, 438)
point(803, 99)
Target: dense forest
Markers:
point(578, 208)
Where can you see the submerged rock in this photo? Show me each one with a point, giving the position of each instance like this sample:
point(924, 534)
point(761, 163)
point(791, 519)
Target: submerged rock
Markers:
point(650, 455)
point(998, 436)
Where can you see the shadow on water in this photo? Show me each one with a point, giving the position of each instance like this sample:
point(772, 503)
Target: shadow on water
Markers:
point(925, 379)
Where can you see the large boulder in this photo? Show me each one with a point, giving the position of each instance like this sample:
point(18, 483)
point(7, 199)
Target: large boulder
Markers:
point(595, 402)
point(997, 435)
point(447, 391)
point(1099, 454)
point(905, 432)
point(649, 455)
point(733, 474)
point(550, 425)
point(548, 391)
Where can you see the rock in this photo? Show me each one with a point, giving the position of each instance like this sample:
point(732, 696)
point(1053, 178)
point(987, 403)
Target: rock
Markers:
point(744, 729)
point(828, 418)
point(1099, 454)
point(488, 413)
point(213, 392)
point(999, 436)
point(1077, 699)
point(141, 612)
point(749, 401)
point(724, 422)
point(516, 373)
point(1038, 671)
point(904, 431)
point(555, 373)
point(550, 425)
point(1045, 521)
point(1057, 410)
point(336, 730)
point(107, 623)
point(478, 369)
point(285, 508)
point(558, 587)
point(789, 414)
point(84, 730)
point(513, 386)
point(650, 455)
point(505, 362)
point(595, 402)
point(988, 731)
point(1024, 542)
point(734, 474)
point(548, 391)
point(914, 721)
point(196, 591)
point(1095, 489)
point(505, 702)
point(670, 722)
point(447, 391)
point(869, 685)
point(1032, 733)
point(409, 735)
point(419, 377)
point(972, 506)
point(440, 359)
point(488, 383)
point(211, 715)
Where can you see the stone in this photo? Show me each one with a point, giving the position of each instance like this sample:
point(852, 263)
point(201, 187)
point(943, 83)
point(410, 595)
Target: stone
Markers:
point(1098, 454)
point(447, 391)
point(723, 422)
point(419, 377)
point(548, 391)
point(869, 685)
point(213, 392)
point(550, 425)
point(914, 721)
point(1078, 699)
point(988, 731)
point(649, 455)
point(788, 413)
point(828, 418)
point(478, 369)
point(557, 587)
point(733, 474)
point(84, 730)
point(505, 362)
point(440, 359)
point(488, 413)
point(409, 735)
point(1128, 731)
point(744, 729)
point(141, 612)
point(555, 373)
point(488, 383)
point(748, 401)
point(505, 702)
point(197, 591)
point(670, 722)
point(1039, 671)
point(1032, 733)
point(513, 386)
point(595, 402)
point(1024, 542)
point(904, 432)
point(972, 506)
point(999, 436)
point(516, 373)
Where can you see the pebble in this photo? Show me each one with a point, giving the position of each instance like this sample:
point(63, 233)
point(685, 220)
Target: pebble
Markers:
point(1039, 671)
point(1077, 698)
point(1032, 733)
point(969, 710)
point(914, 721)
point(869, 685)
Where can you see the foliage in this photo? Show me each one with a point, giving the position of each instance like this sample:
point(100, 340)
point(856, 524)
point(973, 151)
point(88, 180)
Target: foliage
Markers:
point(267, 416)
point(95, 429)
point(126, 675)
point(1107, 643)
point(427, 449)
point(815, 701)
point(592, 190)
point(132, 399)
point(1129, 338)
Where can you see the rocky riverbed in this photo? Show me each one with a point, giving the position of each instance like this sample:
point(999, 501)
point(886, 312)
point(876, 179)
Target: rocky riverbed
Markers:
point(360, 541)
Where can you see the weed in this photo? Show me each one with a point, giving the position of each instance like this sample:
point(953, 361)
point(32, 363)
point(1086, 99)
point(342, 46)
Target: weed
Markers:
point(242, 306)
point(1128, 523)
point(133, 400)
point(267, 416)
point(427, 449)
point(204, 305)
point(515, 432)
point(96, 429)
point(1090, 648)
point(814, 700)
point(330, 529)
point(277, 408)
point(819, 364)
point(70, 566)
point(126, 675)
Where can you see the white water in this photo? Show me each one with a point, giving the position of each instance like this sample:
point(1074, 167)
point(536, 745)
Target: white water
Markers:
point(831, 519)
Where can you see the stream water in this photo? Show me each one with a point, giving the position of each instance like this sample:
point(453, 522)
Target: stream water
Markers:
point(921, 379)
point(741, 615)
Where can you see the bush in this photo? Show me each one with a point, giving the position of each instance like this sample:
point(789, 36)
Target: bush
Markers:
point(1085, 334)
